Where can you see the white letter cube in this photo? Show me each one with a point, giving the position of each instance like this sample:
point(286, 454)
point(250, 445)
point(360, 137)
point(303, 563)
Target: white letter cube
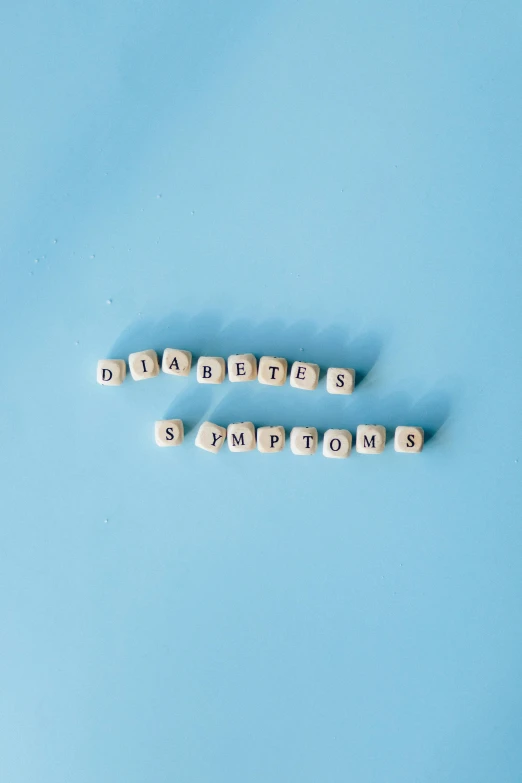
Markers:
point(272, 370)
point(211, 369)
point(143, 365)
point(210, 437)
point(303, 441)
point(241, 436)
point(176, 362)
point(337, 444)
point(242, 367)
point(340, 380)
point(409, 440)
point(169, 432)
point(304, 375)
point(270, 440)
point(371, 439)
point(111, 372)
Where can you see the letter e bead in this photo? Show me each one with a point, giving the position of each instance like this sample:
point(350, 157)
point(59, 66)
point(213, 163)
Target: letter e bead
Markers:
point(304, 376)
point(242, 367)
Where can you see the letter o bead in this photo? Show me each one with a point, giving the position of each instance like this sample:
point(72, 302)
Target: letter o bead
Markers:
point(303, 441)
point(337, 444)
point(242, 367)
point(143, 365)
point(270, 440)
point(409, 440)
point(210, 369)
point(241, 436)
point(210, 437)
point(169, 432)
point(111, 372)
point(304, 376)
point(371, 439)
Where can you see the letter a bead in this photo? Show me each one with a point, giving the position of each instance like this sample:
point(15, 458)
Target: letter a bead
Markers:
point(409, 440)
point(176, 362)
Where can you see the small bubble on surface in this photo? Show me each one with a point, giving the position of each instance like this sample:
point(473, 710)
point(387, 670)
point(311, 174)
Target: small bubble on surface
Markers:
point(35, 260)
point(55, 241)
point(109, 301)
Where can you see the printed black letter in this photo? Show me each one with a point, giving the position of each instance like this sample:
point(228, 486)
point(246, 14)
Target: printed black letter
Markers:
point(169, 433)
point(207, 372)
point(215, 437)
point(242, 365)
point(369, 443)
point(174, 364)
point(144, 365)
point(341, 379)
point(238, 441)
point(273, 440)
point(308, 438)
point(410, 441)
point(274, 370)
point(335, 440)
point(299, 376)
point(104, 377)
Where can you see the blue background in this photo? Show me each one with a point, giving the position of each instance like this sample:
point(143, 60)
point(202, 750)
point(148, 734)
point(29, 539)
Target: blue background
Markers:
point(331, 181)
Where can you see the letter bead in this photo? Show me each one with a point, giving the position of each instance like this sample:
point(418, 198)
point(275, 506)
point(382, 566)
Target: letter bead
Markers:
point(242, 367)
point(111, 372)
point(371, 439)
point(241, 436)
point(272, 370)
point(143, 365)
point(303, 441)
point(210, 437)
point(304, 376)
point(211, 369)
point(270, 440)
point(340, 380)
point(176, 362)
point(169, 432)
point(337, 444)
point(409, 440)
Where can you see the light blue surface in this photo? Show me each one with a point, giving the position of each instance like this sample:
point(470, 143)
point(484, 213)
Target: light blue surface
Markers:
point(331, 181)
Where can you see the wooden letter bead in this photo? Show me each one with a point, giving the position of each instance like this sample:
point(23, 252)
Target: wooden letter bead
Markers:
point(371, 439)
point(111, 372)
point(409, 440)
point(303, 441)
point(241, 436)
point(210, 437)
point(143, 365)
point(304, 375)
point(169, 432)
point(272, 370)
point(211, 369)
point(242, 367)
point(176, 362)
point(337, 444)
point(270, 440)
point(340, 380)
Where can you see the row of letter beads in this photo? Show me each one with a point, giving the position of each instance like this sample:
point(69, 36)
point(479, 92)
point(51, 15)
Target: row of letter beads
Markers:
point(241, 436)
point(211, 369)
